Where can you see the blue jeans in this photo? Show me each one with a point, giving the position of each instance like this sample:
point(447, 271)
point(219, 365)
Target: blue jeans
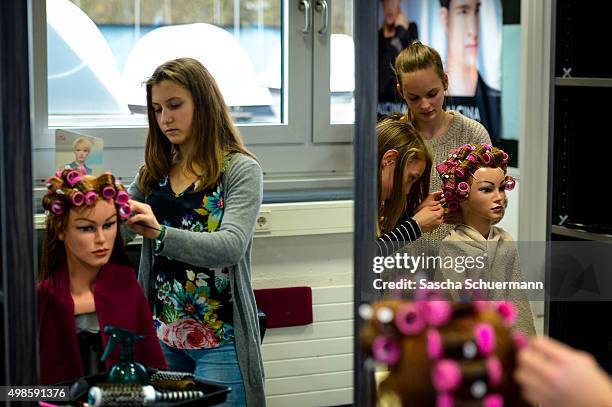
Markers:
point(216, 364)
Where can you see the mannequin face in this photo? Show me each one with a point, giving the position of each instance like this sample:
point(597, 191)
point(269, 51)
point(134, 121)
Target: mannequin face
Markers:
point(423, 91)
point(485, 202)
point(90, 234)
point(413, 171)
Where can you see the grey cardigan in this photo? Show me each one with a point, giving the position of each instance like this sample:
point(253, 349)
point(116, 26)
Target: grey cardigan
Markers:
point(230, 247)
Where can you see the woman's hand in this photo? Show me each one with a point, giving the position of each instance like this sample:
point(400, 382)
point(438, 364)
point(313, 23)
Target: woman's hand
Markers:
point(143, 220)
point(433, 199)
point(553, 374)
point(429, 217)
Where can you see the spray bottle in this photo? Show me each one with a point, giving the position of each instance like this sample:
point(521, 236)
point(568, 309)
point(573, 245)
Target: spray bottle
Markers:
point(126, 370)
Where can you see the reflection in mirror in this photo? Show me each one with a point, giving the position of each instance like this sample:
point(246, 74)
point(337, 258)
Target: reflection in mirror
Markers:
point(86, 282)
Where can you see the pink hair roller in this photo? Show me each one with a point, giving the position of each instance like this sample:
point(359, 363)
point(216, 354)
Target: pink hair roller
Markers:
point(436, 313)
point(494, 368)
point(408, 319)
point(82, 169)
point(487, 146)
point(484, 336)
point(444, 400)
point(386, 350)
point(90, 198)
point(504, 157)
point(446, 375)
point(434, 344)
point(453, 206)
point(124, 211)
point(57, 207)
point(459, 172)
point(77, 198)
point(507, 311)
point(520, 340)
point(486, 158)
point(510, 183)
point(472, 158)
point(73, 177)
point(449, 195)
point(493, 400)
point(108, 192)
point(441, 168)
point(122, 197)
point(463, 188)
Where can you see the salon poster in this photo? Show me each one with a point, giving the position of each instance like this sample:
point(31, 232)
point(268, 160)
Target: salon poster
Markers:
point(468, 36)
point(79, 150)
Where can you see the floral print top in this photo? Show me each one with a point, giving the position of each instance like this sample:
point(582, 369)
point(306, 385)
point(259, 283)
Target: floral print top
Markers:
point(192, 307)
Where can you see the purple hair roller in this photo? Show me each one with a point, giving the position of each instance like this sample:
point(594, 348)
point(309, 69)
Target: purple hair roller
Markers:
point(408, 319)
point(446, 375)
point(122, 197)
point(386, 350)
point(487, 146)
point(57, 207)
point(73, 177)
point(484, 336)
point(124, 211)
point(493, 400)
point(444, 400)
point(453, 206)
point(504, 157)
point(459, 172)
point(510, 183)
point(449, 195)
point(507, 311)
point(441, 168)
point(463, 188)
point(90, 198)
point(108, 192)
point(77, 198)
point(471, 157)
point(494, 368)
point(436, 313)
point(486, 158)
point(434, 344)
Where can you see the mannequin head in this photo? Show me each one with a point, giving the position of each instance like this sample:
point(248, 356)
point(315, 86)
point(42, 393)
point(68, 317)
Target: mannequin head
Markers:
point(82, 218)
point(403, 172)
point(443, 354)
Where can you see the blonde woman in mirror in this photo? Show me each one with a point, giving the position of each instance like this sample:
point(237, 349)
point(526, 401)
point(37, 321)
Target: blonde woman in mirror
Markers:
point(422, 83)
point(474, 180)
point(406, 209)
point(81, 147)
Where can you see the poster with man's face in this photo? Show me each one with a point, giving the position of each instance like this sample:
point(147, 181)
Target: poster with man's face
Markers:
point(76, 150)
point(468, 36)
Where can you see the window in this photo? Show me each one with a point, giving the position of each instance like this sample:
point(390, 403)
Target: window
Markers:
point(286, 71)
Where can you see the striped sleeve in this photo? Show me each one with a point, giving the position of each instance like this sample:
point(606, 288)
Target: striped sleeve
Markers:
point(406, 231)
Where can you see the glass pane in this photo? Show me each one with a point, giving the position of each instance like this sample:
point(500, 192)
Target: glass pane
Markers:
point(342, 63)
point(100, 52)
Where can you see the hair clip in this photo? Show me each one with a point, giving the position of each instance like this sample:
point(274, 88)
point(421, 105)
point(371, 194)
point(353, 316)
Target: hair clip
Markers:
point(484, 335)
point(122, 197)
point(469, 350)
point(486, 158)
point(384, 315)
point(73, 177)
point(434, 344)
point(57, 207)
point(408, 319)
point(507, 311)
point(77, 198)
point(446, 375)
point(366, 311)
point(478, 389)
point(90, 198)
point(124, 211)
point(386, 350)
point(494, 370)
point(108, 192)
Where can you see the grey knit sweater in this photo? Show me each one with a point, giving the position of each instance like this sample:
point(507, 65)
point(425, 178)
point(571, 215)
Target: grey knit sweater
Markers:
point(230, 247)
point(461, 131)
